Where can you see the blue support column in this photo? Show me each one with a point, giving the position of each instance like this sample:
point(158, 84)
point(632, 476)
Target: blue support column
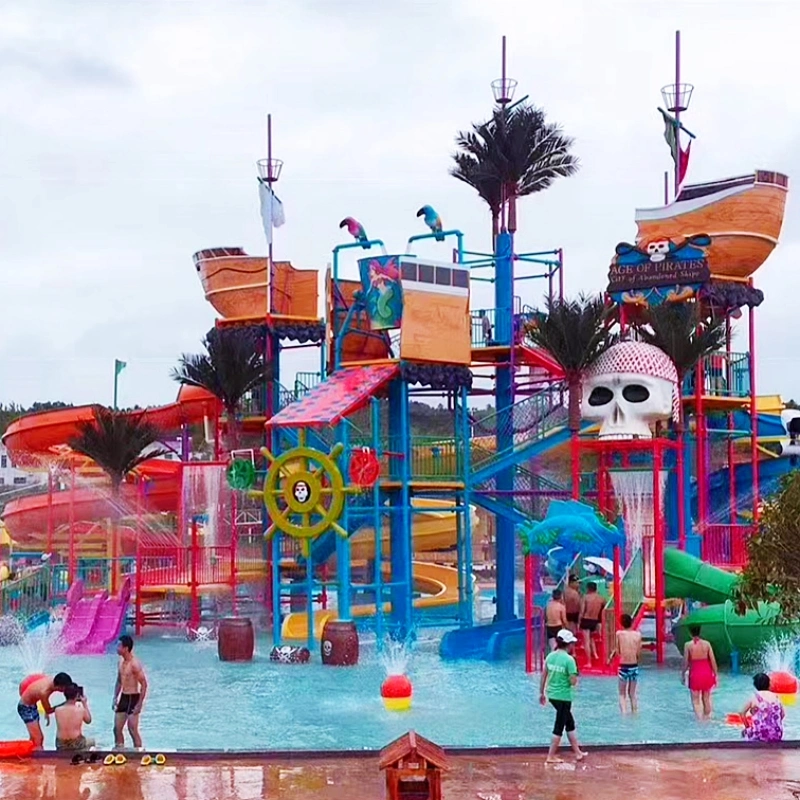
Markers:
point(400, 502)
point(504, 434)
point(377, 524)
point(343, 566)
point(466, 599)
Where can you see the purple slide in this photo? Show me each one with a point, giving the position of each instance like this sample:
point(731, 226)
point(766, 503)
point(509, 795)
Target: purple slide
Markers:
point(93, 623)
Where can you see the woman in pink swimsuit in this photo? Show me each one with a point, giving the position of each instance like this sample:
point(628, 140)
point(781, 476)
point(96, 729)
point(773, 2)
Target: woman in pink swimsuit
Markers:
point(700, 663)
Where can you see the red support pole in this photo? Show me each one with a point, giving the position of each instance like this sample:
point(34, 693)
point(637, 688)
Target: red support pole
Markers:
point(658, 541)
point(680, 470)
point(234, 546)
point(195, 611)
point(576, 466)
point(50, 520)
point(71, 565)
point(529, 613)
point(753, 414)
point(618, 607)
point(700, 439)
point(137, 614)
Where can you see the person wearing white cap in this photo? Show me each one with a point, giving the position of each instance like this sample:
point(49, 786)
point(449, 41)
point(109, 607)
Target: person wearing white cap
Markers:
point(559, 677)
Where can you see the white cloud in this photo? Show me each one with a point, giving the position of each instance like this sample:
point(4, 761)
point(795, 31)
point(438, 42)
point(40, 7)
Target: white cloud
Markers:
point(130, 132)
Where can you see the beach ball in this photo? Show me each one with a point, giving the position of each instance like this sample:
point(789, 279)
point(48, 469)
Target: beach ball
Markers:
point(396, 692)
point(784, 684)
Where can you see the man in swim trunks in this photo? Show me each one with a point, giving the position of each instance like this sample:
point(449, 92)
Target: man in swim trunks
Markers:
point(629, 649)
point(572, 601)
point(129, 694)
point(555, 617)
point(39, 691)
point(70, 719)
point(591, 609)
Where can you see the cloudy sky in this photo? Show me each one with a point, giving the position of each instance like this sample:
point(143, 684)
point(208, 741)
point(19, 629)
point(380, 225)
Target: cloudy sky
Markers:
point(129, 132)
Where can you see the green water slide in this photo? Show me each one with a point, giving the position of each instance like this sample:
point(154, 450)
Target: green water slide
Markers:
point(689, 577)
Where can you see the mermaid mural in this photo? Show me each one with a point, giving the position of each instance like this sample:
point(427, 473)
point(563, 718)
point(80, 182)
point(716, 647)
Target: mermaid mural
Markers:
point(383, 292)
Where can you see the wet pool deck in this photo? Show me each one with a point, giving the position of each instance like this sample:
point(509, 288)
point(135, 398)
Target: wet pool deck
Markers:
point(655, 774)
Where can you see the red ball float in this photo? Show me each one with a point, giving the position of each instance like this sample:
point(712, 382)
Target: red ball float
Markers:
point(396, 692)
point(784, 684)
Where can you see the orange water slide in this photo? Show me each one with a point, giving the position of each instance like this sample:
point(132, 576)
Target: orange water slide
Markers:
point(34, 439)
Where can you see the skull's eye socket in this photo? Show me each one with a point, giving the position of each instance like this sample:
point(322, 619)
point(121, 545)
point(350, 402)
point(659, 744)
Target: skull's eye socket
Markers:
point(636, 393)
point(600, 396)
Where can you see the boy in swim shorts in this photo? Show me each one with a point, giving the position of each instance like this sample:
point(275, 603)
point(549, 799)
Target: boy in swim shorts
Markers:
point(70, 719)
point(555, 617)
point(629, 649)
point(39, 691)
point(129, 694)
point(591, 609)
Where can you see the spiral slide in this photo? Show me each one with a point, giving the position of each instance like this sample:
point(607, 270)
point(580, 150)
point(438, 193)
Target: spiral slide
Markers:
point(435, 530)
point(691, 578)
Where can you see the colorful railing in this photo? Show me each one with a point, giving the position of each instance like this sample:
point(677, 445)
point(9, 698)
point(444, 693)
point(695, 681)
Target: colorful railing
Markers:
point(528, 420)
point(726, 545)
point(28, 596)
point(724, 375)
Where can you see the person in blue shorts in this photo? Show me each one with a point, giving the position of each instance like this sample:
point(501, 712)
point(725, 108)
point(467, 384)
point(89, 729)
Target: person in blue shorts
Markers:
point(629, 649)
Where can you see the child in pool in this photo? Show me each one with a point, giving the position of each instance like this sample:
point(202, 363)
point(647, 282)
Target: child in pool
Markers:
point(763, 713)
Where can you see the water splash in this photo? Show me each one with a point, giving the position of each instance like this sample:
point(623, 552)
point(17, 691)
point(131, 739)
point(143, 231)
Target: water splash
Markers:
point(37, 650)
point(781, 655)
point(395, 655)
point(634, 491)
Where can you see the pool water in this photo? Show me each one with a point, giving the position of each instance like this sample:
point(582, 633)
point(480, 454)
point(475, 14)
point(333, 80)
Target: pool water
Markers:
point(197, 702)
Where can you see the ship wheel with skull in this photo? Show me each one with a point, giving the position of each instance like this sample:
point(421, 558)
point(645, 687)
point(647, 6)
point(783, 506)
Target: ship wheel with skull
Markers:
point(304, 492)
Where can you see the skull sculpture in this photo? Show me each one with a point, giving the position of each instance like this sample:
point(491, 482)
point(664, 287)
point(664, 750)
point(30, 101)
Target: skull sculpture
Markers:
point(301, 491)
point(658, 250)
point(629, 387)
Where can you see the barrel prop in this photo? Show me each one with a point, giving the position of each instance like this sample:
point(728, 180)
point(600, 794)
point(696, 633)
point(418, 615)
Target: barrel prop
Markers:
point(339, 644)
point(235, 640)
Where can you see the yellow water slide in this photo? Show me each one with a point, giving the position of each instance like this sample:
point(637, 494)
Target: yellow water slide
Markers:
point(435, 529)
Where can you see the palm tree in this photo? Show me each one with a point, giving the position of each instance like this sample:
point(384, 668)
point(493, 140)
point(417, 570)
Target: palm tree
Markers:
point(117, 442)
point(684, 333)
point(513, 154)
point(232, 365)
point(574, 333)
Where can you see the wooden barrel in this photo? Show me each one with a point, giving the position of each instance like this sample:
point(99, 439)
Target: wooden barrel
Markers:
point(339, 644)
point(235, 640)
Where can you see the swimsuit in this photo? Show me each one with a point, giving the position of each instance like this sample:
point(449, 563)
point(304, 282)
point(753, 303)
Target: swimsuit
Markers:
point(80, 743)
point(701, 675)
point(552, 631)
point(628, 673)
point(589, 624)
point(28, 714)
point(766, 722)
point(127, 703)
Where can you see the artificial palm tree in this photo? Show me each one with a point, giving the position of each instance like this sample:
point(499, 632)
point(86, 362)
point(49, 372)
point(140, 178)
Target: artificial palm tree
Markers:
point(232, 365)
point(685, 333)
point(515, 153)
point(574, 332)
point(117, 442)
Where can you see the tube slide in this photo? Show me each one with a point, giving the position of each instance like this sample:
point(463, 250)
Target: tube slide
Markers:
point(727, 631)
point(432, 530)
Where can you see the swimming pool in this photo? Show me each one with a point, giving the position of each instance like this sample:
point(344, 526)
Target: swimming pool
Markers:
point(197, 702)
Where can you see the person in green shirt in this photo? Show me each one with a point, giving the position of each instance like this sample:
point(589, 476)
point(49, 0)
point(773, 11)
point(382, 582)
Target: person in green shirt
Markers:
point(559, 677)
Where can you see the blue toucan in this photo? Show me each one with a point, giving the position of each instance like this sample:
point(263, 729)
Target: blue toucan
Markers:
point(432, 220)
point(356, 230)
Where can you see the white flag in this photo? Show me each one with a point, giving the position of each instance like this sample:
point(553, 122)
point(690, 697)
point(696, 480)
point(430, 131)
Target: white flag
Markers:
point(272, 215)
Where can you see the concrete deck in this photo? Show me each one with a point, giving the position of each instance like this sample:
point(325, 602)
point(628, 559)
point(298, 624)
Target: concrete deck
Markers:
point(710, 774)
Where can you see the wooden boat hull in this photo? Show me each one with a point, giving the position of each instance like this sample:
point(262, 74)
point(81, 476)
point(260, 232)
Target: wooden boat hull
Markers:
point(236, 285)
point(743, 216)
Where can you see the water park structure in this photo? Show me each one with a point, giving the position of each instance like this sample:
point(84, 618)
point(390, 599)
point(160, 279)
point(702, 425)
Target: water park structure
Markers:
point(333, 517)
